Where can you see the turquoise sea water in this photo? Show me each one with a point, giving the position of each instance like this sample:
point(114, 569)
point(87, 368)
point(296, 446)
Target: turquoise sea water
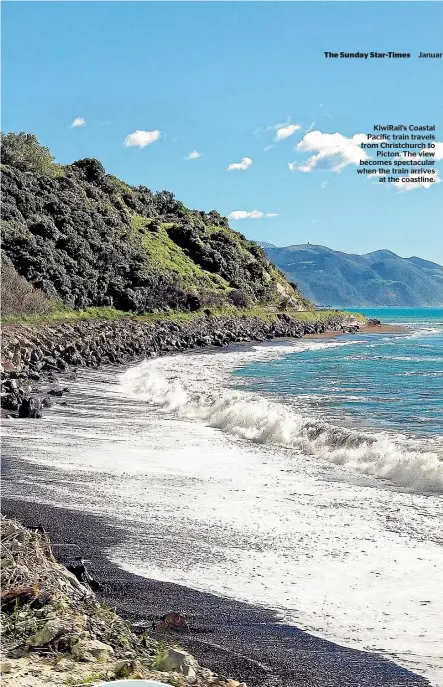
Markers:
point(302, 475)
point(390, 382)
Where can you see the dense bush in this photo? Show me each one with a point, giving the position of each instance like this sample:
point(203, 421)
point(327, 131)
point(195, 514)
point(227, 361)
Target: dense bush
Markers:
point(19, 297)
point(24, 152)
point(89, 239)
point(238, 298)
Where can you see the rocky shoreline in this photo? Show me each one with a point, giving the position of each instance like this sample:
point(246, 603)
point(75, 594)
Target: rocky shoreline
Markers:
point(31, 354)
point(227, 637)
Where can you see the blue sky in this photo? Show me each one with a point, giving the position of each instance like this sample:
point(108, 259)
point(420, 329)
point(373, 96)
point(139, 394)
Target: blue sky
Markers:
point(218, 78)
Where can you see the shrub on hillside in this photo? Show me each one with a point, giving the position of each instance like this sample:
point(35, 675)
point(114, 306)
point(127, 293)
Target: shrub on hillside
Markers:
point(238, 298)
point(212, 299)
point(88, 239)
point(19, 297)
point(24, 152)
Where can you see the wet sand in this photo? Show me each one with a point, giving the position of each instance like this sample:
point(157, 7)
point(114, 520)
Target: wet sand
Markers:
point(364, 329)
point(232, 638)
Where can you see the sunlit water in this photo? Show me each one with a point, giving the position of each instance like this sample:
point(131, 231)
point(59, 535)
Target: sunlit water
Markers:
point(305, 476)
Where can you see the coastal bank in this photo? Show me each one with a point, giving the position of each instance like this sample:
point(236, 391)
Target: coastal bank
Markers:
point(32, 354)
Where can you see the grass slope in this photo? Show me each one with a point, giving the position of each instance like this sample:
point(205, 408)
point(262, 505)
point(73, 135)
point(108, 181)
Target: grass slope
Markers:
point(266, 314)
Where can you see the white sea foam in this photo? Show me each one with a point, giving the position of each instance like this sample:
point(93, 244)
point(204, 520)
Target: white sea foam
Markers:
point(425, 331)
point(203, 507)
point(188, 387)
point(416, 358)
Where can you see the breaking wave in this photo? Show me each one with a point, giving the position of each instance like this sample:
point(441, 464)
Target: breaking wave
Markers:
point(405, 462)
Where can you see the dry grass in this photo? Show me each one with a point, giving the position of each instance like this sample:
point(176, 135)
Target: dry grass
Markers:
point(19, 297)
point(38, 593)
point(29, 569)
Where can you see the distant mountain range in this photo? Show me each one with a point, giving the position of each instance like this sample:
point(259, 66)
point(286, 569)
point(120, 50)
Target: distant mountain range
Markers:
point(381, 278)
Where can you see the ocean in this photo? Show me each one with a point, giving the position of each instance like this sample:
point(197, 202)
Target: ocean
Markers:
point(303, 475)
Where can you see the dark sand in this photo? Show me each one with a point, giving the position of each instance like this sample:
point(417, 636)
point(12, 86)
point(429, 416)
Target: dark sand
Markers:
point(232, 638)
point(364, 329)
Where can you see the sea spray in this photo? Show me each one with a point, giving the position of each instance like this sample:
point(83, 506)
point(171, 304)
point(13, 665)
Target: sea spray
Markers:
point(404, 462)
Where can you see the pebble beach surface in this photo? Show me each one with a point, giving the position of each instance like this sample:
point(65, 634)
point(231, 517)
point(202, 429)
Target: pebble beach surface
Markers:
point(226, 636)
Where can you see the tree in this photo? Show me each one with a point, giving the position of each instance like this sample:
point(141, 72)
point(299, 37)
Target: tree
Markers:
point(165, 202)
point(24, 152)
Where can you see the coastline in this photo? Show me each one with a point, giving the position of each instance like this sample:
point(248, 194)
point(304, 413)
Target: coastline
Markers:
point(35, 354)
point(229, 637)
point(363, 329)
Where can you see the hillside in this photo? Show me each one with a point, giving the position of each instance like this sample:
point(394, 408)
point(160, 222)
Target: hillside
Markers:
point(381, 278)
point(86, 239)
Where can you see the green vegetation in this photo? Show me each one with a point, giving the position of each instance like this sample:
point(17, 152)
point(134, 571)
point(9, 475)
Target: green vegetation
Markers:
point(168, 258)
point(85, 239)
point(86, 680)
point(159, 657)
point(267, 314)
point(24, 152)
point(20, 623)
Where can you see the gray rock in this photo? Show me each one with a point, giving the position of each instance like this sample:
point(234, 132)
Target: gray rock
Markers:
point(178, 661)
point(92, 650)
point(50, 631)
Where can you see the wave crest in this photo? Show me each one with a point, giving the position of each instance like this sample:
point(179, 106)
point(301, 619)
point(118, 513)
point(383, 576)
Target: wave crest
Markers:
point(406, 463)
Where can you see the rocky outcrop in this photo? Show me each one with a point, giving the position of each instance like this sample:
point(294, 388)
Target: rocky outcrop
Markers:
point(30, 353)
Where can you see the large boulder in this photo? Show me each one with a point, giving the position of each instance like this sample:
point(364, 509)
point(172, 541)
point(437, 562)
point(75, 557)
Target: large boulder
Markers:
point(178, 661)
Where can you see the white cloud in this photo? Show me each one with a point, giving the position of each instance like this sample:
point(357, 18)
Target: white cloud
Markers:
point(285, 131)
point(244, 163)
point(335, 151)
point(266, 148)
point(404, 186)
point(78, 121)
point(324, 184)
point(437, 150)
point(193, 156)
point(310, 127)
point(142, 138)
point(253, 214)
